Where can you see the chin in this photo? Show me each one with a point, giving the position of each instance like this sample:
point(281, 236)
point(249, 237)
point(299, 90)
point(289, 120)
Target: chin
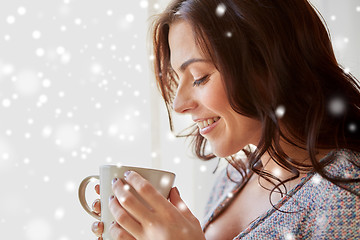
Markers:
point(223, 152)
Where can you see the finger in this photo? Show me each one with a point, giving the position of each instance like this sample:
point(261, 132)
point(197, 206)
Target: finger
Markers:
point(130, 202)
point(176, 200)
point(97, 189)
point(147, 192)
point(124, 219)
point(119, 233)
point(97, 228)
point(96, 206)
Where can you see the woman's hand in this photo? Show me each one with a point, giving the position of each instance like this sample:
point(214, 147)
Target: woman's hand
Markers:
point(97, 227)
point(162, 221)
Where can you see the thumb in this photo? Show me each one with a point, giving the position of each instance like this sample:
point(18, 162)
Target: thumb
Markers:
point(176, 200)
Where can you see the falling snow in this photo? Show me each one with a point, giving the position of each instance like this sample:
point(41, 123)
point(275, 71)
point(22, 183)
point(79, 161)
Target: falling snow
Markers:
point(203, 168)
point(165, 180)
point(337, 106)
point(280, 111)
point(316, 179)
point(75, 94)
point(220, 10)
point(353, 127)
point(289, 236)
point(228, 34)
point(127, 187)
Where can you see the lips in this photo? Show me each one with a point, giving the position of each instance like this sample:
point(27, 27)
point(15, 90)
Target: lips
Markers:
point(207, 122)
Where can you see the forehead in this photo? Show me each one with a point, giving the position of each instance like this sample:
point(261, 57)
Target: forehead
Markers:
point(182, 43)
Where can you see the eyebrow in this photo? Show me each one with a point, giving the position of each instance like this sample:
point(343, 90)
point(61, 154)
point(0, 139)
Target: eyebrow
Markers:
point(190, 61)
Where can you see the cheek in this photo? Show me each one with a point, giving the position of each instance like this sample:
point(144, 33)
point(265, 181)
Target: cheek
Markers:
point(216, 99)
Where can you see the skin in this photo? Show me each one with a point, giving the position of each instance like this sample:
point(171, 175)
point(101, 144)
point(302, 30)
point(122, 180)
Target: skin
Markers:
point(135, 221)
point(234, 131)
point(171, 218)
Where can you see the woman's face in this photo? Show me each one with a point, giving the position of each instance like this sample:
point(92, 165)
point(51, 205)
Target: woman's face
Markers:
point(201, 93)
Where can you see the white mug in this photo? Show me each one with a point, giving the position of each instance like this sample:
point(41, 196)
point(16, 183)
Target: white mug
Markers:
point(161, 180)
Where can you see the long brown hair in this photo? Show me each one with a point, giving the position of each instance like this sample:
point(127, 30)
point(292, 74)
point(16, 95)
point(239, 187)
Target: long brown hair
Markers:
point(271, 54)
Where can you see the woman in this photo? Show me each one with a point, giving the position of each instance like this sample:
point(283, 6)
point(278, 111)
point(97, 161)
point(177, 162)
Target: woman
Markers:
point(258, 72)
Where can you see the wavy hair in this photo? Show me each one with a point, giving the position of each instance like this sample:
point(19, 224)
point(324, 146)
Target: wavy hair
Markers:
point(271, 54)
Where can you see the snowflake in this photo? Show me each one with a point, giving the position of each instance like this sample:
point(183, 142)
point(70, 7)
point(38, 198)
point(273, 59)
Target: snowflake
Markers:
point(21, 10)
point(316, 179)
point(77, 21)
point(181, 206)
point(6, 103)
point(165, 180)
point(352, 127)
point(144, 4)
point(203, 168)
point(10, 19)
point(177, 160)
point(40, 52)
point(277, 172)
point(280, 111)
point(127, 187)
point(109, 12)
point(228, 34)
point(289, 236)
point(129, 17)
point(59, 213)
point(337, 106)
point(36, 34)
point(46, 83)
point(220, 10)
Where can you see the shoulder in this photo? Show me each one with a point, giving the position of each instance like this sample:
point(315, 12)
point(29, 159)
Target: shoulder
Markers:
point(331, 209)
point(318, 209)
point(345, 164)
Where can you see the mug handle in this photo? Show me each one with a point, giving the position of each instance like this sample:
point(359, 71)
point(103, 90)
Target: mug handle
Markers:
point(82, 198)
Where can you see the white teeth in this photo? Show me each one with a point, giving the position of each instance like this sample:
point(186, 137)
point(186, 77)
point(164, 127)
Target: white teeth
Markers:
point(205, 123)
point(208, 122)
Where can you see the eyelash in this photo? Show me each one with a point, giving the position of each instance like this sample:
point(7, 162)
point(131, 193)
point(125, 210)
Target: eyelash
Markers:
point(202, 80)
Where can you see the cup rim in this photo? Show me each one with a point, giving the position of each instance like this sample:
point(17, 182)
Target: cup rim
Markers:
point(135, 167)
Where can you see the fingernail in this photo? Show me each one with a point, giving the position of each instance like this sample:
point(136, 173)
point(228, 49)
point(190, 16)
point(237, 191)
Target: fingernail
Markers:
point(114, 180)
point(96, 226)
point(93, 205)
point(177, 190)
point(126, 174)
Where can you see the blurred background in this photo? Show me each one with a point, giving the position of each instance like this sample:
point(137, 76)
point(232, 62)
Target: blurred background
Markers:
point(77, 91)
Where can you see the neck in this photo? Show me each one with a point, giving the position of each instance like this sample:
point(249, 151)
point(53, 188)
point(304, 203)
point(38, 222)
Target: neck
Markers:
point(296, 154)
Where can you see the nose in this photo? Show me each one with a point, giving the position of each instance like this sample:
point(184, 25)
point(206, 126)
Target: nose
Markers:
point(184, 100)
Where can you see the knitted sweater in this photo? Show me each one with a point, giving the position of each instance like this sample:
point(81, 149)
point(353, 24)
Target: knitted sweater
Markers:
point(319, 209)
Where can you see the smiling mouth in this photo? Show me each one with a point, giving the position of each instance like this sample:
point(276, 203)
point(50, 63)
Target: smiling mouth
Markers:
point(207, 122)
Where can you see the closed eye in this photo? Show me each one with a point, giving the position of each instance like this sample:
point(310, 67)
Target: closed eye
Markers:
point(202, 80)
